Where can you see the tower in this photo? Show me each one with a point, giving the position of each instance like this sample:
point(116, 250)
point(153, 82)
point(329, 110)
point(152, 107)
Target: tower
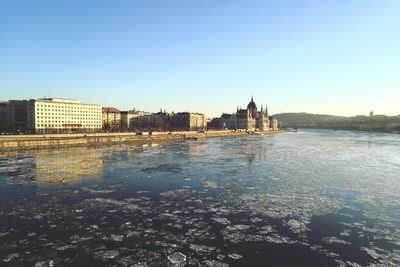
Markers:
point(252, 107)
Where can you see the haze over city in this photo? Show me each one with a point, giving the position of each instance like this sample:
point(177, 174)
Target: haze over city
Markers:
point(338, 57)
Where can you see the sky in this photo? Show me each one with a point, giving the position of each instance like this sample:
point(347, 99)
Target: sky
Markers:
point(210, 56)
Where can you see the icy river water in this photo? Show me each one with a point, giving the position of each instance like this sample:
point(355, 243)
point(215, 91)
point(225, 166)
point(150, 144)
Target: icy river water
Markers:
point(311, 198)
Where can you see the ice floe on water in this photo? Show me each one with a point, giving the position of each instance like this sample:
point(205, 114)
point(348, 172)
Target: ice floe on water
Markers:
point(243, 202)
point(220, 220)
point(177, 259)
point(296, 226)
point(110, 254)
point(331, 240)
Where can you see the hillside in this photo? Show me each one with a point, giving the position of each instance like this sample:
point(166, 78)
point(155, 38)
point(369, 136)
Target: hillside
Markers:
point(298, 119)
point(370, 123)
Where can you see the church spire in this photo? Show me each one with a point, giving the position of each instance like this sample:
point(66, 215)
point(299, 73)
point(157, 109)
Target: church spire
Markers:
point(261, 112)
point(266, 110)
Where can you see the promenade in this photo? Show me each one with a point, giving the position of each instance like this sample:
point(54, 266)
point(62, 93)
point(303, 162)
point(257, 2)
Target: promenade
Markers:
point(54, 141)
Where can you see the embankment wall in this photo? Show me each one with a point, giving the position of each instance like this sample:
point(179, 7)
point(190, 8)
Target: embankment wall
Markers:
point(28, 142)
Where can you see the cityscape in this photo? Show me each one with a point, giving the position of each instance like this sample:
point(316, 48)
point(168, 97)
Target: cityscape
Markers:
point(199, 133)
point(58, 115)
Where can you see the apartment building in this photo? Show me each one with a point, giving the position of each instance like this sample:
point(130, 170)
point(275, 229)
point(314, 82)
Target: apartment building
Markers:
point(111, 118)
point(189, 121)
point(54, 115)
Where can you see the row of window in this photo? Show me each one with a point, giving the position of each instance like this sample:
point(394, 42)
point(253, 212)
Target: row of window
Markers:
point(69, 118)
point(62, 125)
point(69, 111)
point(42, 122)
point(67, 106)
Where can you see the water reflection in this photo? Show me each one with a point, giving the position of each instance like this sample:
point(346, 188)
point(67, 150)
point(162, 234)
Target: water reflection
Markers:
point(253, 149)
point(70, 165)
point(196, 149)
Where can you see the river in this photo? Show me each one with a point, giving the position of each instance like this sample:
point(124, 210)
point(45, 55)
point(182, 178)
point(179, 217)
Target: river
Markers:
point(310, 198)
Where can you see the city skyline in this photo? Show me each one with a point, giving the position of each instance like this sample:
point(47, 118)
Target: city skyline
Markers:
point(330, 58)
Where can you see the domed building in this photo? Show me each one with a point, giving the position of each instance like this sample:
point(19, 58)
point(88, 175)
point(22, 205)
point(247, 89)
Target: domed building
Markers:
point(249, 119)
point(252, 108)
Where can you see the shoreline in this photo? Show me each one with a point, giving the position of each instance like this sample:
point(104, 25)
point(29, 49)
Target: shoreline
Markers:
point(58, 141)
point(349, 129)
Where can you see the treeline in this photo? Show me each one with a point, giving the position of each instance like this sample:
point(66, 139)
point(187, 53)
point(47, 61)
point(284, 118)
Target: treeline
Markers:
point(366, 123)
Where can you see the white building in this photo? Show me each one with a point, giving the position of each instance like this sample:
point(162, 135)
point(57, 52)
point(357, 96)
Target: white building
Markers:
point(54, 115)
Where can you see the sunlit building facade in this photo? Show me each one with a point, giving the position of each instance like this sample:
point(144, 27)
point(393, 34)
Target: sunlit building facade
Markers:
point(54, 115)
point(111, 118)
point(249, 119)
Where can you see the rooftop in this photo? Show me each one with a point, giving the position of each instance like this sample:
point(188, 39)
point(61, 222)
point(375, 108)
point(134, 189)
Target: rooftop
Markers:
point(110, 110)
point(61, 100)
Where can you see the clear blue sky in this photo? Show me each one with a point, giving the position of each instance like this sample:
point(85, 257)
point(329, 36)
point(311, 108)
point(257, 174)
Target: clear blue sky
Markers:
point(332, 57)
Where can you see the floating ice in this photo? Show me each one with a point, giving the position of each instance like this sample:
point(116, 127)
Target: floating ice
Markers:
point(4, 234)
point(117, 238)
point(110, 254)
point(177, 258)
point(202, 248)
point(266, 229)
point(346, 232)
point(256, 220)
point(44, 264)
point(330, 240)
point(244, 207)
point(209, 184)
point(62, 248)
point(372, 253)
point(99, 191)
point(106, 202)
point(215, 263)
point(296, 226)
point(241, 227)
point(276, 238)
point(11, 257)
point(132, 234)
point(235, 256)
point(220, 220)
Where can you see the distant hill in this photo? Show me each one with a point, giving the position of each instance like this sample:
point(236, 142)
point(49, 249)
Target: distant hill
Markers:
point(368, 123)
point(298, 119)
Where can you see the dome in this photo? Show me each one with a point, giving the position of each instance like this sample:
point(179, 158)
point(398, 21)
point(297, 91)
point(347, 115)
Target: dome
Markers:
point(252, 105)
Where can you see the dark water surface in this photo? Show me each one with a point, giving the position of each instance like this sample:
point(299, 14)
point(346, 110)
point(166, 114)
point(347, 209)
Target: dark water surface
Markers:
point(312, 198)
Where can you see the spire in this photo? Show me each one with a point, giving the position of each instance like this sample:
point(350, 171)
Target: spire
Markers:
point(261, 108)
point(266, 110)
point(252, 98)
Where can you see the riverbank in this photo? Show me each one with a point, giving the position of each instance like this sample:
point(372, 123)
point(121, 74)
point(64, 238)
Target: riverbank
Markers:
point(56, 141)
point(349, 129)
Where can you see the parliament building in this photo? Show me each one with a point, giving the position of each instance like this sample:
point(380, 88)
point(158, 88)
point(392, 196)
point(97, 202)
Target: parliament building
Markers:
point(249, 119)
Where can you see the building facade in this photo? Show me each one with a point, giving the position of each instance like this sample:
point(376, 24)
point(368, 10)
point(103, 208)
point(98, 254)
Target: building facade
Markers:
point(111, 118)
point(249, 119)
point(3, 114)
point(53, 115)
point(21, 115)
point(160, 121)
point(164, 121)
point(64, 115)
point(273, 123)
point(188, 121)
point(128, 118)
